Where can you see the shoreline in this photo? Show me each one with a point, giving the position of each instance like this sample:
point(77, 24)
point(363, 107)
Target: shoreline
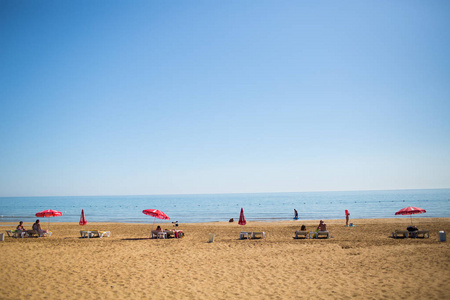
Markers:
point(363, 261)
point(333, 221)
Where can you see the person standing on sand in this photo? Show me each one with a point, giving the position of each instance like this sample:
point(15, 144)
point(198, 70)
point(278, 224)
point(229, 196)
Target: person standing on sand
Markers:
point(347, 218)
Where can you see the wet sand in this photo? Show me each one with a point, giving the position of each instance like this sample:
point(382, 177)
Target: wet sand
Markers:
point(356, 262)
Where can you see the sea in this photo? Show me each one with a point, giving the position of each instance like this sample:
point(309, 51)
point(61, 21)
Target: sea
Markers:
point(222, 207)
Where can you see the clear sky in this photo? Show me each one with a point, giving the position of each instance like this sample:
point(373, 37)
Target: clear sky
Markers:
point(186, 97)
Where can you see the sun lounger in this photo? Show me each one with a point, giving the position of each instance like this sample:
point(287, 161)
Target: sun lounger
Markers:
point(100, 234)
point(397, 233)
point(16, 233)
point(47, 234)
point(174, 233)
point(86, 234)
point(317, 234)
point(423, 233)
point(155, 234)
point(159, 234)
point(299, 234)
point(245, 234)
point(258, 234)
point(252, 235)
point(31, 233)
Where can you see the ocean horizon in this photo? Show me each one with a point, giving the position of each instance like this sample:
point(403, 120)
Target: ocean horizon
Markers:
point(200, 208)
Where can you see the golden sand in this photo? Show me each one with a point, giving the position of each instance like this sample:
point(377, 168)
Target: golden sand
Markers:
point(361, 262)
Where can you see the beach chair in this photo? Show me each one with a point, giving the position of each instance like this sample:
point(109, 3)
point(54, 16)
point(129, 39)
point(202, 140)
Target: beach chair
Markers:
point(170, 233)
point(245, 234)
point(400, 233)
point(31, 233)
point(16, 233)
point(304, 234)
point(161, 235)
point(86, 233)
point(317, 234)
point(423, 233)
point(155, 233)
point(100, 234)
point(258, 234)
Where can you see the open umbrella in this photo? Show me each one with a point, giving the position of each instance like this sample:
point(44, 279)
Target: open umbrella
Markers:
point(156, 213)
point(47, 214)
point(82, 218)
point(242, 218)
point(410, 210)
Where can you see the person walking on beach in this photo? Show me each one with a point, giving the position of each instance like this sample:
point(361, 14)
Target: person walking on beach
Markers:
point(295, 214)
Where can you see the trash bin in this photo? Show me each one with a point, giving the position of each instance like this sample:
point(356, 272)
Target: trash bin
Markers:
point(211, 237)
point(442, 237)
point(2, 237)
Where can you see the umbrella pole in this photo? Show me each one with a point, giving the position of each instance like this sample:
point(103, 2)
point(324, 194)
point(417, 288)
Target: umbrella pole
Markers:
point(153, 223)
point(48, 225)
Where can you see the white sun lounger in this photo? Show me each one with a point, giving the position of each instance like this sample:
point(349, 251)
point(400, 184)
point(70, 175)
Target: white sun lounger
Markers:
point(304, 234)
point(86, 233)
point(398, 233)
point(258, 234)
point(16, 233)
point(423, 233)
point(245, 234)
point(314, 234)
point(100, 234)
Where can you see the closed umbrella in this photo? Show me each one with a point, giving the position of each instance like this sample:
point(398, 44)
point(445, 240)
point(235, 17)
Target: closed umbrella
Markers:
point(48, 214)
point(410, 210)
point(82, 218)
point(156, 213)
point(242, 220)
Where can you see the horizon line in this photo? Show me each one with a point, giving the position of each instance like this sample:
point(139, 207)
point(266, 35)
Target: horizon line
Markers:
point(231, 193)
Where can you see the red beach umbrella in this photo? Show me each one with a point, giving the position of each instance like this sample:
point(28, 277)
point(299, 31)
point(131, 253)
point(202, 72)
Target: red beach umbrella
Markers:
point(242, 218)
point(82, 218)
point(156, 213)
point(410, 210)
point(47, 214)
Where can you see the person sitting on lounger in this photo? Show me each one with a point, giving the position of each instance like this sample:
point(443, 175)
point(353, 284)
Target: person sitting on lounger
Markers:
point(38, 229)
point(412, 231)
point(303, 228)
point(20, 226)
point(158, 228)
point(322, 226)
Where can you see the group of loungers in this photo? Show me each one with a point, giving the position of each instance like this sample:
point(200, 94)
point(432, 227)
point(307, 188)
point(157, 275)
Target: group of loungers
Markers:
point(325, 234)
point(27, 233)
point(412, 234)
point(311, 234)
point(94, 233)
point(164, 234)
point(250, 235)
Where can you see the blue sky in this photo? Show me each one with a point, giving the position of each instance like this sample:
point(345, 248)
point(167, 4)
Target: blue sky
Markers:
point(186, 97)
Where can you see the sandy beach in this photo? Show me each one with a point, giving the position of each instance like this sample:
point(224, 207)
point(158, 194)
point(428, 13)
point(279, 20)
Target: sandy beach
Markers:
point(356, 262)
